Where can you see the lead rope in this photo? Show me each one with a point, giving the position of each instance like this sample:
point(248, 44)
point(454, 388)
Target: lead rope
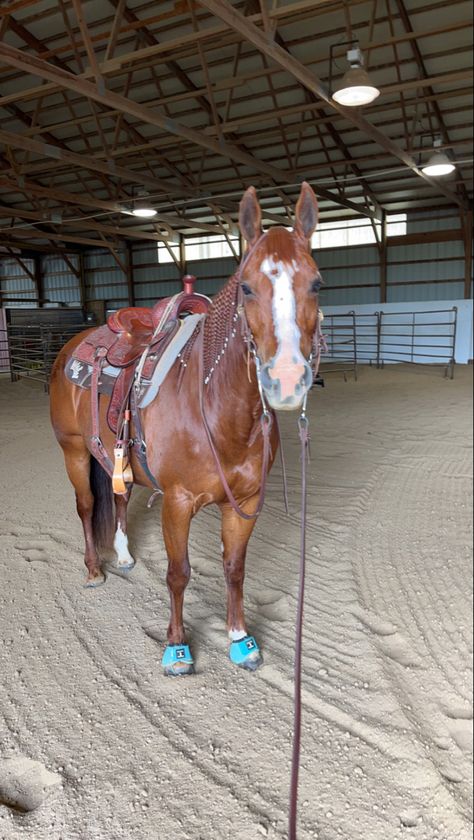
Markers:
point(303, 428)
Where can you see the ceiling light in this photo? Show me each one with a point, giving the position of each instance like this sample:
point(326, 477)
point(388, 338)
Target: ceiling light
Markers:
point(144, 210)
point(356, 88)
point(142, 206)
point(439, 163)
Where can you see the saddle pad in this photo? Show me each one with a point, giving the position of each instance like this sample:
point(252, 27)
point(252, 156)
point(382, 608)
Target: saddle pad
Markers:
point(155, 369)
point(167, 359)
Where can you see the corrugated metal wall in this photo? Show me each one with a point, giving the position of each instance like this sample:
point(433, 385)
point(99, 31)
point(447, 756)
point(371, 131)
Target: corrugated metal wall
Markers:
point(212, 274)
point(152, 280)
point(60, 283)
point(351, 275)
point(17, 287)
point(427, 271)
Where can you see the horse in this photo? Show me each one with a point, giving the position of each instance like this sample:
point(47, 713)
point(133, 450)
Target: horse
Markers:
point(210, 432)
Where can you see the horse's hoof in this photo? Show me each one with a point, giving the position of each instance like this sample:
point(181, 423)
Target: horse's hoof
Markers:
point(246, 654)
point(95, 580)
point(177, 661)
point(125, 566)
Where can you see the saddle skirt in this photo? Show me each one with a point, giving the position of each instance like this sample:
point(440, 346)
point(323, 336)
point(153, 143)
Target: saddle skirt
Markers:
point(138, 344)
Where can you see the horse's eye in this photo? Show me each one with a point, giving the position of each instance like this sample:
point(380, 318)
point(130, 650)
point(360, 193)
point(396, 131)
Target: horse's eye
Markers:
point(316, 286)
point(246, 289)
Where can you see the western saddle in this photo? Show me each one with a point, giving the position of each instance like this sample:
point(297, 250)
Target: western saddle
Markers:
point(128, 358)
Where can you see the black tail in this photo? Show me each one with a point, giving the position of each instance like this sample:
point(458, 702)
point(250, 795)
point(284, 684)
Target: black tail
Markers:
point(103, 518)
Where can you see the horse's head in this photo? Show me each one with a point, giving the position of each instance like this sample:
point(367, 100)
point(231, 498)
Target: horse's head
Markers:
point(279, 288)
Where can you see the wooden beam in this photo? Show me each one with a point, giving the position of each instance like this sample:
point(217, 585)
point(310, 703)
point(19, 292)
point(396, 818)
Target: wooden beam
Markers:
point(77, 4)
point(251, 33)
point(467, 236)
point(83, 200)
point(39, 280)
point(82, 280)
point(55, 237)
point(383, 255)
point(36, 66)
point(13, 7)
point(129, 274)
point(87, 224)
point(84, 161)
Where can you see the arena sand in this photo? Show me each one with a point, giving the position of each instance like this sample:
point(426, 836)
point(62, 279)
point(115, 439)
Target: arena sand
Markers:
point(95, 744)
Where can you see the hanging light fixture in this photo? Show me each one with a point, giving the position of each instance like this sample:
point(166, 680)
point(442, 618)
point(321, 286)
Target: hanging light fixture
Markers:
point(356, 87)
point(142, 207)
point(439, 163)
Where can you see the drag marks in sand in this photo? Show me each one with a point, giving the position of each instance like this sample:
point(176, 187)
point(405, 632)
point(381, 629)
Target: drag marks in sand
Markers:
point(108, 749)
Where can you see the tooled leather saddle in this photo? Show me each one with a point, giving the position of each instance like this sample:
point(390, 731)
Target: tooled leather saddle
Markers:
point(128, 358)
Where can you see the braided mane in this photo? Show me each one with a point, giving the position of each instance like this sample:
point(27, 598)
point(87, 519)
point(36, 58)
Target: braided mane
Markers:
point(220, 327)
point(220, 323)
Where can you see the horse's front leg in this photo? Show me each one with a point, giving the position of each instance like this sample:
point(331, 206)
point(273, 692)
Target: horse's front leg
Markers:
point(236, 533)
point(176, 519)
point(125, 561)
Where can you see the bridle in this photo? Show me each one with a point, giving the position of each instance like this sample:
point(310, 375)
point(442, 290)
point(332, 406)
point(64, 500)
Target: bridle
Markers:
point(267, 418)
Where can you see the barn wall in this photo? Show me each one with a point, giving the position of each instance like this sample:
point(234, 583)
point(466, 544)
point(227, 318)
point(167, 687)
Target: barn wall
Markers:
point(60, 282)
point(151, 279)
point(16, 285)
point(350, 275)
point(104, 279)
point(417, 272)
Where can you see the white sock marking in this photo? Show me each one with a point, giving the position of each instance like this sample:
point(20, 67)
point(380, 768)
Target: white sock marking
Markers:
point(237, 635)
point(124, 558)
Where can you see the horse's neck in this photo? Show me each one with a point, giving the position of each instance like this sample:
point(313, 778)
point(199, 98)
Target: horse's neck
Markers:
point(226, 368)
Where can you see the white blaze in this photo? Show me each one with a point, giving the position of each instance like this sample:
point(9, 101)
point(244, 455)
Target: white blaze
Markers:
point(288, 363)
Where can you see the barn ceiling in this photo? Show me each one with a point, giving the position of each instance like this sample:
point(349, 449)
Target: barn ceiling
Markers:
point(194, 100)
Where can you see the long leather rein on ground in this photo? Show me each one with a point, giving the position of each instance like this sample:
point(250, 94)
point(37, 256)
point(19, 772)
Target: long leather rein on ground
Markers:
point(266, 421)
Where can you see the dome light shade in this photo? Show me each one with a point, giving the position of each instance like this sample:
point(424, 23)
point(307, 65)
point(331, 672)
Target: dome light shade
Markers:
point(438, 165)
point(143, 209)
point(355, 89)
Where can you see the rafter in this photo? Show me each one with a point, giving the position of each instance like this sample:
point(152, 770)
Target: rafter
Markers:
point(248, 30)
point(35, 65)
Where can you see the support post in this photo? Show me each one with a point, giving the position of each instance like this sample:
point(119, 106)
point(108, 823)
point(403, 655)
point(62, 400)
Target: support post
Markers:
point(467, 236)
point(129, 274)
point(182, 255)
point(383, 252)
point(82, 281)
point(39, 280)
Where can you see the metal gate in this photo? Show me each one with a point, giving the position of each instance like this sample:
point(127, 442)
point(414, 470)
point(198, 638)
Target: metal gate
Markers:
point(35, 337)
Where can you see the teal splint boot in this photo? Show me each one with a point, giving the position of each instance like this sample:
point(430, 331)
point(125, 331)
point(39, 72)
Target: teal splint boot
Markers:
point(177, 661)
point(246, 654)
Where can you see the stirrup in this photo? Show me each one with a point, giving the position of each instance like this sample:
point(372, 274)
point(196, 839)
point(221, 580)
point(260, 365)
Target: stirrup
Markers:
point(122, 474)
point(177, 661)
point(246, 654)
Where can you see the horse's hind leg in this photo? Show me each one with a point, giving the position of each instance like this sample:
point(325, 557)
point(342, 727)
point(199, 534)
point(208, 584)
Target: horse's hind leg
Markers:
point(176, 519)
point(125, 561)
point(78, 465)
point(236, 533)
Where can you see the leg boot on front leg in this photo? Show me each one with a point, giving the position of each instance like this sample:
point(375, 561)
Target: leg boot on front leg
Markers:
point(176, 519)
point(236, 532)
point(125, 561)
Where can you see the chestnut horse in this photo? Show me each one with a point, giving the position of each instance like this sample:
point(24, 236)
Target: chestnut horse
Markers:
point(205, 431)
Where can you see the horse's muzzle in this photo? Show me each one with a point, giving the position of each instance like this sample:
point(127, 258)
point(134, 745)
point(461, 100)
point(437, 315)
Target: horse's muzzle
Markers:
point(285, 388)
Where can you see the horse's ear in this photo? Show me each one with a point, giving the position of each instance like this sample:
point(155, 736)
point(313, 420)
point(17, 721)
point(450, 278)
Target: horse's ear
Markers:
point(306, 212)
point(250, 216)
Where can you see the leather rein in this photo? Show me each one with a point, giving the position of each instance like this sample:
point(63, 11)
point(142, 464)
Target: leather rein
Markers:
point(266, 422)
